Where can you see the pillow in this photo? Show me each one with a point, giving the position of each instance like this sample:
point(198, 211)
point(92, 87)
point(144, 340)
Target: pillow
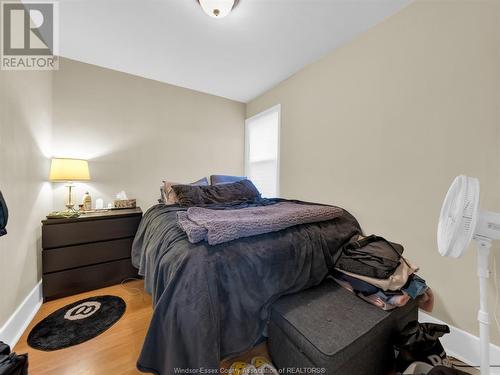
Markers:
point(168, 195)
point(240, 191)
point(217, 179)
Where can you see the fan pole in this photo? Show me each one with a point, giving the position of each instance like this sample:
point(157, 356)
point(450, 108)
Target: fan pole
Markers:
point(483, 252)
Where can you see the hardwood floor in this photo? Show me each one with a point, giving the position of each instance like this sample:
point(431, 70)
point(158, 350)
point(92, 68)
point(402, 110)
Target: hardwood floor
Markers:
point(260, 350)
point(115, 351)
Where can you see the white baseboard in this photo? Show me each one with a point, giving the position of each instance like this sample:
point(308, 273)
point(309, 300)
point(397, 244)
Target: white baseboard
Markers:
point(12, 330)
point(463, 345)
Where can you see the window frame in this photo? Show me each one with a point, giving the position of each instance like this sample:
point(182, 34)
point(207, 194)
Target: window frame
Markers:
point(274, 108)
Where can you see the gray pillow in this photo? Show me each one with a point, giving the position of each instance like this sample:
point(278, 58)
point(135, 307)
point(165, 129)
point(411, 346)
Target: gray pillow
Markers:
point(240, 191)
point(168, 195)
point(217, 179)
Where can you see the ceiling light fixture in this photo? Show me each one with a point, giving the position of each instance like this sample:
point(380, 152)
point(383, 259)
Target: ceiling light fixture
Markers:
point(217, 8)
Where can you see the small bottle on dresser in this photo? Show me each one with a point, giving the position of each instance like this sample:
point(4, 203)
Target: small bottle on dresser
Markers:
point(87, 202)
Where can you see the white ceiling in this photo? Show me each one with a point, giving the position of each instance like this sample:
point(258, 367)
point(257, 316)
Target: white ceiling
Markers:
point(261, 43)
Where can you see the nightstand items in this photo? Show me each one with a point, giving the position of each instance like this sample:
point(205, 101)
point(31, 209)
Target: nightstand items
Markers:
point(87, 202)
point(88, 252)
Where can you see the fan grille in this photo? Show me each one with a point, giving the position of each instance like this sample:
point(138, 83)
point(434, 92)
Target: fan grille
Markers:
point(468, 211)
point(458, 218)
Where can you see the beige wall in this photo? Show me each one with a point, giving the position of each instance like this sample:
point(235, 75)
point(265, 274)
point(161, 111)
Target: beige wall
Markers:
point(137, 132)
point(25, 129)
point(382, 125)
point(134, 131)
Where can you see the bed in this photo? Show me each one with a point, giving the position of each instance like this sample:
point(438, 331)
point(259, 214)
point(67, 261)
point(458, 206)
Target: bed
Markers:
point(212, 301)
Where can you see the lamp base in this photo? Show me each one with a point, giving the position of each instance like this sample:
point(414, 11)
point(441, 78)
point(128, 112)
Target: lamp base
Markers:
point(70, 205)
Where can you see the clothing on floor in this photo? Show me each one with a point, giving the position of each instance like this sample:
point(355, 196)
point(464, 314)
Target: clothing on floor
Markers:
point(420, 342)
point(12, 363)
point(418, 368)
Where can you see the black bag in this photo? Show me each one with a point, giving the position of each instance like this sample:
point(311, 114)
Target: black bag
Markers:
point(12, 363)
point(371, 256)
point(420, 342)
point(4, 215)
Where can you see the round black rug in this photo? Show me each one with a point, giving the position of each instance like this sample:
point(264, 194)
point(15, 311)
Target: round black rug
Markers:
point(76, 323)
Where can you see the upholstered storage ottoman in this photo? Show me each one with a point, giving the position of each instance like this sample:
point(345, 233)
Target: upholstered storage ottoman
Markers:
point(329, 327)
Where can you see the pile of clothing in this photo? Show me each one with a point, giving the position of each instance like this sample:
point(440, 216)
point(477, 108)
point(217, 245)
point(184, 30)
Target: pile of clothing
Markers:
point(375, 270)
point(420, 352)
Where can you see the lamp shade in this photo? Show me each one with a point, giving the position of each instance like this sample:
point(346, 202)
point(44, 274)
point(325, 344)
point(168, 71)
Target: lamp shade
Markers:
point(69, 170)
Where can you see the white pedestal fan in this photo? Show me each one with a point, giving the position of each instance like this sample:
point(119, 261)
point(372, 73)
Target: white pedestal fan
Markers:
point(461, 221)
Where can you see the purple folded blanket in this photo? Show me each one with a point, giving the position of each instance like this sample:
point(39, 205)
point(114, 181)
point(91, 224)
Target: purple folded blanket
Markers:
point(218, 226)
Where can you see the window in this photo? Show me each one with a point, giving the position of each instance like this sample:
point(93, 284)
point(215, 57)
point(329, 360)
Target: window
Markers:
point(262, 151)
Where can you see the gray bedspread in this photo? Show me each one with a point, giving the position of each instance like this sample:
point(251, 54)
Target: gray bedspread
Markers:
point(219, 226)
point(213, 301)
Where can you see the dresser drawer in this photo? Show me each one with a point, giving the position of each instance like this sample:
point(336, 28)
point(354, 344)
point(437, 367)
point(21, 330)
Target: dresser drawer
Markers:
point(64, 283)
point(61, 258)
point(65, 234)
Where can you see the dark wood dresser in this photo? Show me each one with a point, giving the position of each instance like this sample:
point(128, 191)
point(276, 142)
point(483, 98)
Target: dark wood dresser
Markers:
point(88, 252)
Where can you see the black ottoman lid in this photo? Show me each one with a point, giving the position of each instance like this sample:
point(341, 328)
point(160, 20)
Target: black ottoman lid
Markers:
point(328, 321)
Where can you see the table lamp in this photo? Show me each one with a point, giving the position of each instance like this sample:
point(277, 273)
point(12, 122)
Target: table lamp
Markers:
point(69, 170)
